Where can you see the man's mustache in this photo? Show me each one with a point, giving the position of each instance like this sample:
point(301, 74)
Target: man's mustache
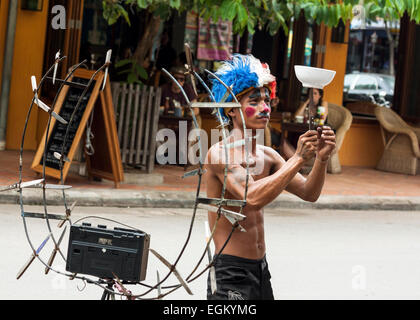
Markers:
point(264, 114)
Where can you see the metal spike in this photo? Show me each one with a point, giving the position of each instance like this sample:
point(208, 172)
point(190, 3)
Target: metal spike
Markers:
point(227, 93)
point(237, 143)
point(34, 85)
point(58, 118)
point(174, 270)
point(58, 156)
point(51, 186)
point(22, 185)
point(207, 207)
point(72, 207)
point(190, 66)
point(68, 214)
point(159, 288)
point(57, 57)
point(224, 202)
point(54, 252)
point(107, 61)
point(223, 125)
point(215, 105)
point(235, 222)
point(47, 109)
point(31, 183)
point(192, 173)
point(43, 216)
point(213, 283)
point(235, 215)
point(57, 186)
point(32, 258)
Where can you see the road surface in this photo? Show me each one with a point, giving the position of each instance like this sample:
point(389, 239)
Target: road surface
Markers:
point(311, 254)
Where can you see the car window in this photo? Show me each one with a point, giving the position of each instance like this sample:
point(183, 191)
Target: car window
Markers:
point(382, 85)
point(348, 80)
point(366, 83)
point(390, 82)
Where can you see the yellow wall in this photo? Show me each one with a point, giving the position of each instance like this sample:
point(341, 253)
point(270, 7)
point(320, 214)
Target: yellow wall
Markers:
point(362, 146)
point(3, 26)
point(27, 61)
point(335, 58)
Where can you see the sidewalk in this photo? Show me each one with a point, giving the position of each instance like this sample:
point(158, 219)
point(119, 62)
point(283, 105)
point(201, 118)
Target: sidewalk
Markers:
point(354, 189)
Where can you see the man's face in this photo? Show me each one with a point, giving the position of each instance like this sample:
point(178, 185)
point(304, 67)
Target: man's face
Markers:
point(255, 108)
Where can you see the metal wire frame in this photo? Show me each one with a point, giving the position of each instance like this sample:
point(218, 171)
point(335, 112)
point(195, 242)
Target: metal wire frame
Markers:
point(244, 128)
point(45, 154)
point(224, 184)
point(226, 167)
point(200, 172)
point(21, 165)
point(64, 141)
point(87, 280)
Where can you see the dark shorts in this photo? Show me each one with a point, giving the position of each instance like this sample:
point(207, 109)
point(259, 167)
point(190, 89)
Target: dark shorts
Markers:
point(241, 279)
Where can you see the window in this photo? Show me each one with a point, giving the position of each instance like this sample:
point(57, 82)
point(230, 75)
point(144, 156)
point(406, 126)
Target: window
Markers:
point(349, 81)
point(366, 83)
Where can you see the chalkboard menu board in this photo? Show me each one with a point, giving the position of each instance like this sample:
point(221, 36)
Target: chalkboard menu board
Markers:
point(65, 107)
point(58, 135)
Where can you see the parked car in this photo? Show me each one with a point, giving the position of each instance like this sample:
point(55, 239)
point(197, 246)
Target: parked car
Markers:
point(374, 87)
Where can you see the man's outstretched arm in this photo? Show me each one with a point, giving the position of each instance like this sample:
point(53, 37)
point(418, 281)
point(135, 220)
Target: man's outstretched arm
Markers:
point(263, 191)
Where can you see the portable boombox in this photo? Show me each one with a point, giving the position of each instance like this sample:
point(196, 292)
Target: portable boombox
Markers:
point(103, 252)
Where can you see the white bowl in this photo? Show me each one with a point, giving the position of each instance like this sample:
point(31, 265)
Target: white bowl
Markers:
point(314, 77)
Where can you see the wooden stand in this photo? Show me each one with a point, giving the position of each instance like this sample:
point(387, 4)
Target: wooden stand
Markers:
point(106, 161)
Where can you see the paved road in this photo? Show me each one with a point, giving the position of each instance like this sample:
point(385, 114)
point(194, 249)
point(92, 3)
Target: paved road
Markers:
point(312, 254)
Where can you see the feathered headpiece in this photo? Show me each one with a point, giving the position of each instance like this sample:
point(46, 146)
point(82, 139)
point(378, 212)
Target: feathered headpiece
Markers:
point(242, 73)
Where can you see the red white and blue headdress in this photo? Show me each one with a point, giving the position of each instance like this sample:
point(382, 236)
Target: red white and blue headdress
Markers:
point(242, 73)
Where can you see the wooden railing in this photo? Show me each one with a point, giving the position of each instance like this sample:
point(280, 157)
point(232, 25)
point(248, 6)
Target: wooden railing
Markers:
point(137, 116)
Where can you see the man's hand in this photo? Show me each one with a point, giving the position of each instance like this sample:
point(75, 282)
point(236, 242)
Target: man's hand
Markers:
point(307, 145)
point(326, 142)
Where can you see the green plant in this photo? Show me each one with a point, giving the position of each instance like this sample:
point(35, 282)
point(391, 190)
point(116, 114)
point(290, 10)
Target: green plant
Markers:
point(133, 70)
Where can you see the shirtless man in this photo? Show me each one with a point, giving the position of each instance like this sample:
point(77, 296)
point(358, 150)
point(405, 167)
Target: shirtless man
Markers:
point(241, 269)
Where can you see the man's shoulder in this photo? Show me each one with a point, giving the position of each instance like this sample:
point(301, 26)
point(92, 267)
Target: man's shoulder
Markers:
point(269, 151)
point(272, 156)
point(214, 151)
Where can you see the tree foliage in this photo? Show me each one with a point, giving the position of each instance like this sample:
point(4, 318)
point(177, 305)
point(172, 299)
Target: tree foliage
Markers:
point(256, 14)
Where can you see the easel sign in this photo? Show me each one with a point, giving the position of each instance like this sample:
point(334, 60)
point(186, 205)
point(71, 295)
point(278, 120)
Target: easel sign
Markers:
point(65, 105)
point(106, 161)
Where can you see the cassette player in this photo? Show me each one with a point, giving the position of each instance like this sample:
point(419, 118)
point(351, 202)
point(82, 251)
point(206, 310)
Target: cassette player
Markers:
point(102, 252)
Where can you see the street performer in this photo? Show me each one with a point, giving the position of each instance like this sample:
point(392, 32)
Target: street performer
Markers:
point(241, 269)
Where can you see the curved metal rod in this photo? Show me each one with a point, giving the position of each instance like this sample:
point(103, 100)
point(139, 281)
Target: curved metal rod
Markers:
point(21, 156)
point(205, 269)
point(222, 196)
point(98, 283)
point(225, 172)
point(45, 158)
point(21, 198)
point(219, 117)
point(73, 69)
point(244, 128)
point(198, 187)
point(22, 147)
point(20, 190)
point(69, 124)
